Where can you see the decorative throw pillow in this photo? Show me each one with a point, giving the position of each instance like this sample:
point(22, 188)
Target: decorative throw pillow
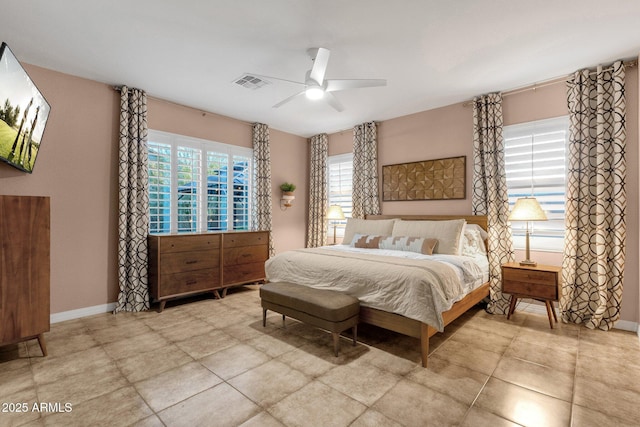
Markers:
point(448, 233)
point(380, 227)
point(366, 241)
point(421, 245)
point(473, 243)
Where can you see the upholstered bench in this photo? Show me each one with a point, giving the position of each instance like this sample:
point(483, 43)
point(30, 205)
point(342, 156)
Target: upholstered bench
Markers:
point(330, 310)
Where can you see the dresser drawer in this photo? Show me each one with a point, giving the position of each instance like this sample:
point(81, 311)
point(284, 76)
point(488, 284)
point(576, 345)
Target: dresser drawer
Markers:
point(232, 240)
point(245, 255)
point(179, 262)
point(529, 276)
point(191, 281)
point(244, 273)
point(189, 243)
point(534, 290)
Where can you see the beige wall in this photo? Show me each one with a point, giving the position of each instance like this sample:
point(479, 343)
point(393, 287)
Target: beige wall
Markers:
point(77, 167)
point(447, 132)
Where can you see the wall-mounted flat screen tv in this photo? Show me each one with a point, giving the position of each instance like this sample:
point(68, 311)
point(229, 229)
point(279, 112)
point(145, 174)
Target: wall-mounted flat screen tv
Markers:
point(23, 114)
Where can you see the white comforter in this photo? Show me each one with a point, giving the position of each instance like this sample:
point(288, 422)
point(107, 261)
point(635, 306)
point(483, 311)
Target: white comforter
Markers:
point(417, 286)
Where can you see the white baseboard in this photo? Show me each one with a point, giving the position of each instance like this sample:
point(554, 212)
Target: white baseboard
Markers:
point(82, 312)
point(624, 325)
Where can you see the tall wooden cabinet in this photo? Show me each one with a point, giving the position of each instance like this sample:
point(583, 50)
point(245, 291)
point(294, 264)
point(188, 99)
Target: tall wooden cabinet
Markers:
point(24, 269)
point(184, 264)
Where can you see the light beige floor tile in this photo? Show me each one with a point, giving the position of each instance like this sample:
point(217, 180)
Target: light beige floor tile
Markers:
point(610, 371)
point(458, 382)
point(171, 387)
point(15, 380)
point(612, 338)
point(532, 376)
point(263, 419)
point(553, 357)
point(14, 356)
point(372, 418)
point(360, 381)
point(276, 345)
point(387, 361)
point(119, 331)
point(602, 397)
point(317, 404)
point(523, 406)
point(231, 317)
point(461, 354)
point(200, 346)
point(145, 365)
point(19, 407)
point(170, 317)
point(234, 360)
point(549, 338)
point(152, 421)
point(306, 362)
point(132, 346)
point(585, 417)
point(244, 332)
point(122, 407)
point(621, 354)
point(495, 343)
point(477, 417)
point(84, 385)
point(221, 406)
point(495, 325)
point(411, 404)
point(50, 369)
point(108, 321)
point(269, 382)
point(185, 330)
point(63, 344)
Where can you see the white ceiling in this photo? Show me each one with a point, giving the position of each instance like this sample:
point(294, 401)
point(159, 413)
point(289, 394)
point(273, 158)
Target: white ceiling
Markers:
point(432, 52)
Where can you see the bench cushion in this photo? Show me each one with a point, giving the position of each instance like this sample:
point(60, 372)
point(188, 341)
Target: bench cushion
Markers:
point(325, 304)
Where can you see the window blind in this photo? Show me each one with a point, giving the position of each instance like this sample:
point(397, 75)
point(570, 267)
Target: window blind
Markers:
point(535, 165)
point(340, 177)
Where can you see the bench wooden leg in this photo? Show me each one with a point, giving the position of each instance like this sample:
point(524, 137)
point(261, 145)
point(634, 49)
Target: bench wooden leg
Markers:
point(283, 325)
point(43, 345)
point(336, 342)
point(355, 334)
point(264, 317)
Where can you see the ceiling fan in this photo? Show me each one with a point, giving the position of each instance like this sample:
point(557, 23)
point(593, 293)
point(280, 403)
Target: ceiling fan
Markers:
point(315, 85)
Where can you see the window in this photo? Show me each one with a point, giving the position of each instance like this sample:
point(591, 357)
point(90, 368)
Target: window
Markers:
point(339, 176)
point(535, 166)
point(197, 185)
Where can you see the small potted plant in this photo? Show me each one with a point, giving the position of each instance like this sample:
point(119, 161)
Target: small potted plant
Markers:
point(287, 194)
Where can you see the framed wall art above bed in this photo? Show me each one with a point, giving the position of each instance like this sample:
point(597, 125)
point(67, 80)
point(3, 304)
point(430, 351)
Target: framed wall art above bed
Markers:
point(439, 179)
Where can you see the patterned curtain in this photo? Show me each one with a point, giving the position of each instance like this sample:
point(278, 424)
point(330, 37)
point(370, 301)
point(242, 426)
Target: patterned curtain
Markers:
point(261, 214)
point(366, 200)
point(594, 252)
point(490, 191)
point(317, 229)
point(133, 202)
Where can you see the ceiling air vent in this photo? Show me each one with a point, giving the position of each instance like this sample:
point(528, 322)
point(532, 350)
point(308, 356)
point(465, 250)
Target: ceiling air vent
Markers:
point(251, 82)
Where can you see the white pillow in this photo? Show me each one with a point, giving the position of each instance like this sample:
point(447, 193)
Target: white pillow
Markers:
point(473, 242)
point(380, 227)
point(447, 232)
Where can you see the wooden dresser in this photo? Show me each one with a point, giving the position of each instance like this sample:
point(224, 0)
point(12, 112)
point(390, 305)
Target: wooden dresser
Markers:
point(184, 264)
point(24, 269)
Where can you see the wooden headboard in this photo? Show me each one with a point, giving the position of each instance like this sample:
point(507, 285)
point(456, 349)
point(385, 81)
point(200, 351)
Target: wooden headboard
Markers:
point(481, 220)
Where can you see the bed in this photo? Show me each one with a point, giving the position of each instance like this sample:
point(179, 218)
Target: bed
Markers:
point(401, 290)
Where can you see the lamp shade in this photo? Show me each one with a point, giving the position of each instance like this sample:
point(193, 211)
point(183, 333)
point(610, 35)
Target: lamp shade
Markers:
point(527, 209)
point(335, 212)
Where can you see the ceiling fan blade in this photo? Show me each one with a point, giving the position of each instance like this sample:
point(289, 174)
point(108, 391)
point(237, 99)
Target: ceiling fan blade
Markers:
point(276, 78)
point(284, 101)
point(343, 84)
point(333, 101)
point(320, 63)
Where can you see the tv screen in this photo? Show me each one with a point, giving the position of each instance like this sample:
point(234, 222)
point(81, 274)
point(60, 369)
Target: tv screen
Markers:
point(23, 114)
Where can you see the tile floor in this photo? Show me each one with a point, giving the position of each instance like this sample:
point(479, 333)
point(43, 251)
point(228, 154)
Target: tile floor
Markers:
point(211, 363)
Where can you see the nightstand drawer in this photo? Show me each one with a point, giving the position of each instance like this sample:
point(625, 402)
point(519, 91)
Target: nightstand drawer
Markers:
point(534, 290)
point(529, 276)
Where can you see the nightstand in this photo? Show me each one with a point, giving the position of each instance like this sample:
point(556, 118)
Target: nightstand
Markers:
point(541, 283)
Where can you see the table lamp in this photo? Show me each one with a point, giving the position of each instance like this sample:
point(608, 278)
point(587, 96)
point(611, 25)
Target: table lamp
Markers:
point(335, 213)
point(527, 209)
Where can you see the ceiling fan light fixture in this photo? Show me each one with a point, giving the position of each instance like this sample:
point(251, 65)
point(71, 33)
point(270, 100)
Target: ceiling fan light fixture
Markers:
point(314, 92)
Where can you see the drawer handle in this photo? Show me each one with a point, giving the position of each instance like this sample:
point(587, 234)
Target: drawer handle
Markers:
point(246, 255)
point(191, 282)
point(191, 262)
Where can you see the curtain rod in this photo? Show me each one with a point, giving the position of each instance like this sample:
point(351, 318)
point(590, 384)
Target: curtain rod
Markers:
point(629, 64)
point(203, 112)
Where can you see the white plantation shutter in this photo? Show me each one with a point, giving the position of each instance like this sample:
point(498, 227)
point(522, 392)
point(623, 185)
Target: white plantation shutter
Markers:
point(340, 177)
point(197, 185)
point(535, 165)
